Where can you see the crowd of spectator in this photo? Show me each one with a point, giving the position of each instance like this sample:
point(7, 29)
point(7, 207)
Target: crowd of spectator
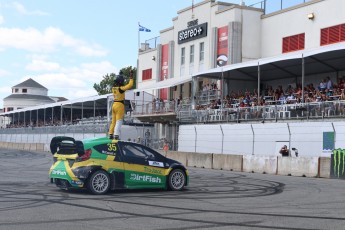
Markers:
point(54, 122)
point(325, 91)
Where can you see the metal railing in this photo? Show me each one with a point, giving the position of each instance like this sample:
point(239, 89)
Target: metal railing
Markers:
point(153, 42)
point(187, 113)
point(312, 110)
point(270, 6)
point(153, 107)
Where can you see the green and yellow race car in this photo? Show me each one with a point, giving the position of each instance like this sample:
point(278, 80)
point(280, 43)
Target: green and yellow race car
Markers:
point(101, 164)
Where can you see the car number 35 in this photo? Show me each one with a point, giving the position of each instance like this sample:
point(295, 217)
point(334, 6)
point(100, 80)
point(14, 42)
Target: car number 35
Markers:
point(111, 147)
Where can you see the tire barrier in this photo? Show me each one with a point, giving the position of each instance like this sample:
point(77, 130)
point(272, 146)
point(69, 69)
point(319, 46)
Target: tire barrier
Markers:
point(276, 165)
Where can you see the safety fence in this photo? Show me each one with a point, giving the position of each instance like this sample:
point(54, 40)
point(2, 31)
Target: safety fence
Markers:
point(314, 110)
point(43, 135)
point(187, 112)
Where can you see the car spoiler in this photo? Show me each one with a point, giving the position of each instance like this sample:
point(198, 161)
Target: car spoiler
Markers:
point(74, 147)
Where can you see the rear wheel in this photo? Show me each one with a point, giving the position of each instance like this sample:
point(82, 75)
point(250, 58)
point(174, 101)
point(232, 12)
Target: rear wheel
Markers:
point(99, 182)
point(177, 180)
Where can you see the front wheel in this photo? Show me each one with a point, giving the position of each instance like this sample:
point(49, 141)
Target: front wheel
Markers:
point(99, 182)
point(177, 180)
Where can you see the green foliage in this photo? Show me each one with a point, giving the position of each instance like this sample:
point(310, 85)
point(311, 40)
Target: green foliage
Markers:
point(104, 87)
point(126, 71)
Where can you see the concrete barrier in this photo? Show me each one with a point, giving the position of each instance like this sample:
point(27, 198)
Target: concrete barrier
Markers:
point(199, 160)
point(298, 166)
point(33, 147)
point(40, 147)
point(20, 146)
point(260, 164)
point(10, 145)
point(27, 146)
point(228, 162)
point(325, 167)
point(46, 147)
point(177, 156)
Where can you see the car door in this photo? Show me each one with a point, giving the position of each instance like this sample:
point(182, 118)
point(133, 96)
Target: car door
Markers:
point(142, 167)
point(108, 155)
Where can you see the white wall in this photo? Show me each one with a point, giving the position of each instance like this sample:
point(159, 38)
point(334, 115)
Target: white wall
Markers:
point(307, 137)
point(294, 20)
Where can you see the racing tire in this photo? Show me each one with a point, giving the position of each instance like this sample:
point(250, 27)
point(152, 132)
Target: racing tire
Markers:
point(176, 180)
point(99, 183)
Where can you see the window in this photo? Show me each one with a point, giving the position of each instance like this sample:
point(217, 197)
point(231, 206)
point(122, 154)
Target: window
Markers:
point(202, 52)
point(332, 34)
point(293, 43)
point(147, 74)
point(191, 56)
point(16, 90)
point(24, 90)
point(183, 55)
point(136, 151)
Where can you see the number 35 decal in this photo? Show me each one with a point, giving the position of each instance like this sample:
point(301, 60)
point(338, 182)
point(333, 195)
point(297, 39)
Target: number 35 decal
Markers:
point(111, 147)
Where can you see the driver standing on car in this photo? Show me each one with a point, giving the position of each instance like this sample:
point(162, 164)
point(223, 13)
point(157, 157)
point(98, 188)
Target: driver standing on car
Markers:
point(118, 108)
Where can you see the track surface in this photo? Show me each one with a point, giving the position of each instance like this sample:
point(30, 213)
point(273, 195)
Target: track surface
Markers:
point(214, 200)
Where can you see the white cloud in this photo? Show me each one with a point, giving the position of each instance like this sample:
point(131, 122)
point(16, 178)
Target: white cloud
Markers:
point(42, 65)
point(22, 10)
point(73, 82)
point(46, 41)
point(2, 20)
point(4, 73)
point(5, 89)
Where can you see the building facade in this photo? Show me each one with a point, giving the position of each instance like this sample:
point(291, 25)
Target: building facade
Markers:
point(26, 94)
point(213, 34)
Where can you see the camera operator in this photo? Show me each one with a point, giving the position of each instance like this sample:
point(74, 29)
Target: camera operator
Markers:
point(284, 151)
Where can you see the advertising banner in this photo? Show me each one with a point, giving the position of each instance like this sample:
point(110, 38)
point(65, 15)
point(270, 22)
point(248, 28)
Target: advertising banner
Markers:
point(222, 46)
point(164, 70)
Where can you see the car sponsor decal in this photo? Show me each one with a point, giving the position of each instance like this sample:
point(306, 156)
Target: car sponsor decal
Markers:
point(146, 169)
point(58, 172)
point(145, 178)
point(153, 170)
point(156, 163)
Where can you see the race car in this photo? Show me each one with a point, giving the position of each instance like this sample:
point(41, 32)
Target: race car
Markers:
point(102, 164)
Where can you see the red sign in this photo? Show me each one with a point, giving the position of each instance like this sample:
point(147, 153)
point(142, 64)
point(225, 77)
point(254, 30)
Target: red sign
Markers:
point(164, 70)
point(222, 46)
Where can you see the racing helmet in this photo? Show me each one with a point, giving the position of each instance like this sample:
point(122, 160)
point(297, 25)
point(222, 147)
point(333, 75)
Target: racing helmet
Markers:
point(119, 80)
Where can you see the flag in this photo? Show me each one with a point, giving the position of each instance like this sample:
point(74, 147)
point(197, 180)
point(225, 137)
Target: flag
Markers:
point(141, 28)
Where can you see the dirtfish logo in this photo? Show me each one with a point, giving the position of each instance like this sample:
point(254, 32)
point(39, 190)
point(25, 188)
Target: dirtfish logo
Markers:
point(58, 172)
point(339, 162)
point(145, 178)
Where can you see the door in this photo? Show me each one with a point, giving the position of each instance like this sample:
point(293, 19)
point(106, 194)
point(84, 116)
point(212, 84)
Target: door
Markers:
point(143, 169)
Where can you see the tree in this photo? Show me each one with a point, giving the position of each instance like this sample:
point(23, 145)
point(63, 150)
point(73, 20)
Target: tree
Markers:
point(126, 71)
point(104, 87)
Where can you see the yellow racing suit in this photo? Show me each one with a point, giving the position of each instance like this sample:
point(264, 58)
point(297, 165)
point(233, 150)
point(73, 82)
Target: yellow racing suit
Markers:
point(118, 108)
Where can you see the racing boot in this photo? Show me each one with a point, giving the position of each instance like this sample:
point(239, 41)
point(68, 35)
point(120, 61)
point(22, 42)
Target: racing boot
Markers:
point(111, 136)
point(116, 137)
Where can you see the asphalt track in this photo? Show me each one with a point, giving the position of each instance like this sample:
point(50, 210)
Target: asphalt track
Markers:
point(215, 199)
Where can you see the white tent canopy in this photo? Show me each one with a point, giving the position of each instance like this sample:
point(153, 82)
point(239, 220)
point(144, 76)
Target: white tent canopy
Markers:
point(165, 83)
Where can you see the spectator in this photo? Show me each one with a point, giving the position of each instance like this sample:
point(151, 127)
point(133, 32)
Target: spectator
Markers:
point(322, 85)
point(138, 140)
point(329, 85)
point(284, 151)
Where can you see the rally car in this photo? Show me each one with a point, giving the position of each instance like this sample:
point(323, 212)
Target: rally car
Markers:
point(101, 164)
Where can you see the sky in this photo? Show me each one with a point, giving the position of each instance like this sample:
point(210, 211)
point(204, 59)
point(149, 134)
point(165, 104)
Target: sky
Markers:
point(67, 46)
